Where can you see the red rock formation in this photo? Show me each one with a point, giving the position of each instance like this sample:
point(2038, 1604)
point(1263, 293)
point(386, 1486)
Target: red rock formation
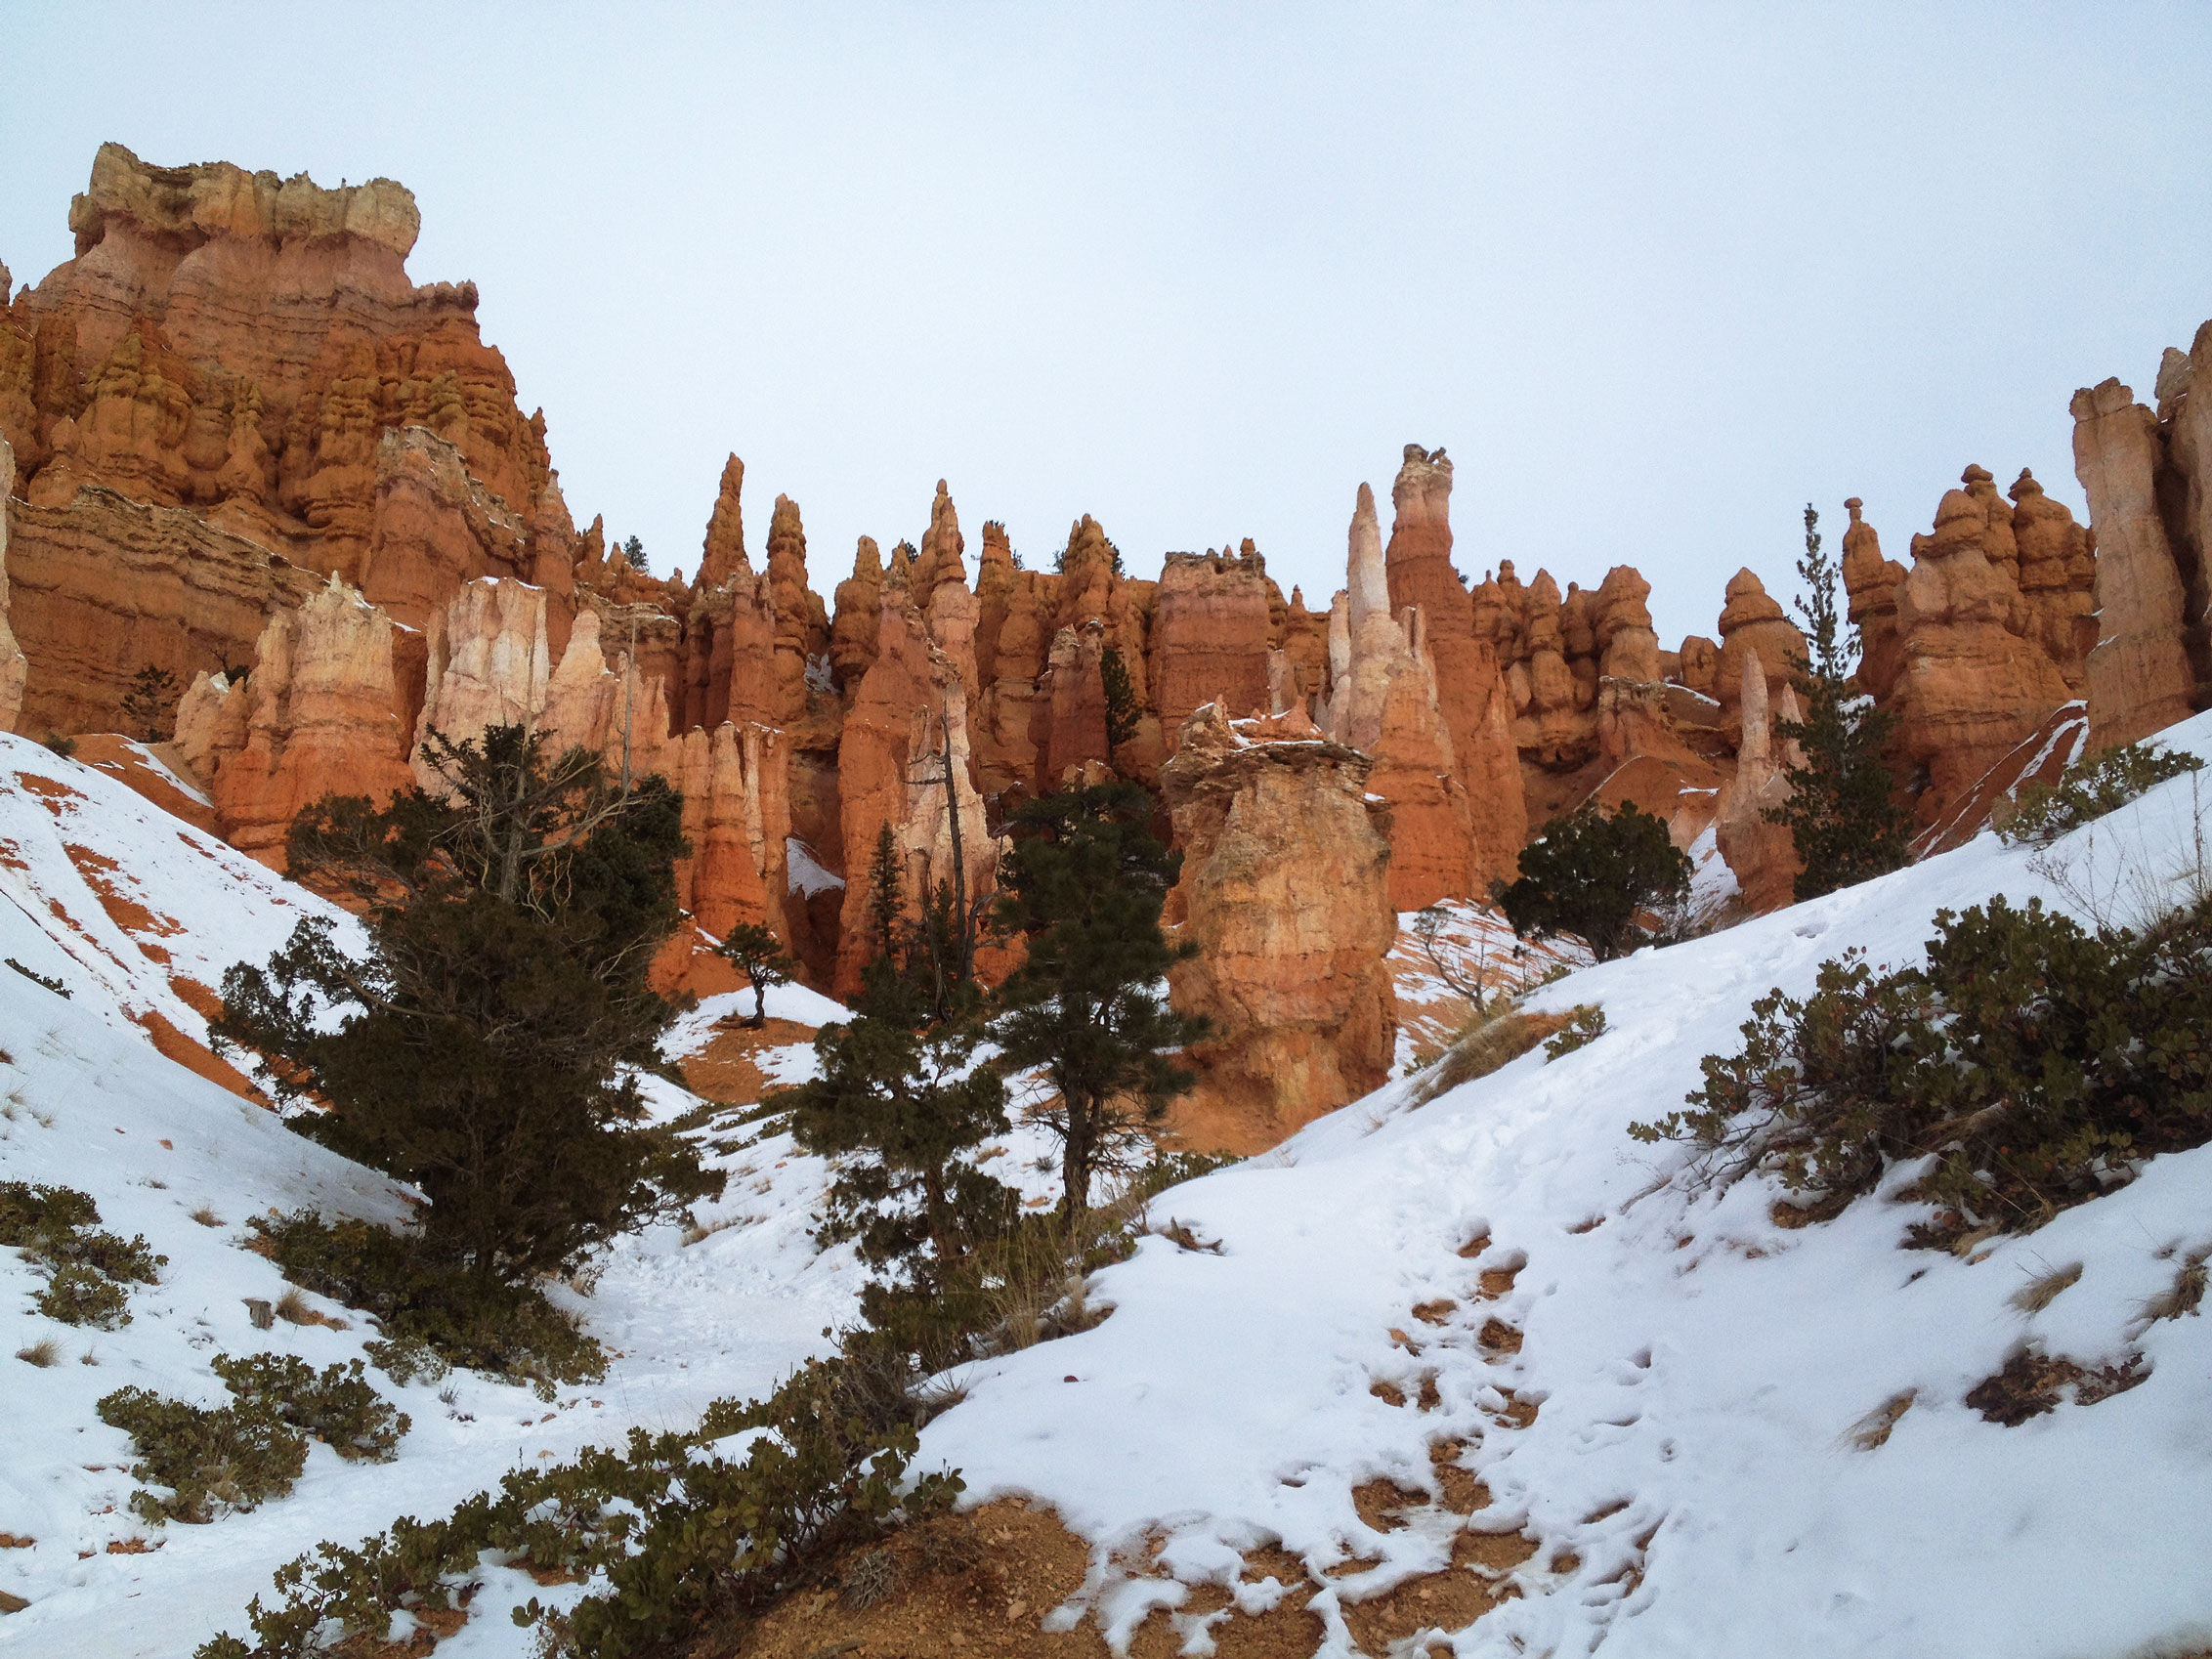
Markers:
point(904, 745)
point(1212, 628)
point(1763, 855)
point(852, 636)
point(318, 716)
point(1471, 684)
point(802, 626)
point(2057, 577)
point(724, 555)
point(1970, 686)
point(238, 344)
point(1285, 892)
point(1872, 581)
point(103, 586)
point(2140, 675)
point(13, 669)
point(1754, 622)
point(1010, 656)
point(1386, 705)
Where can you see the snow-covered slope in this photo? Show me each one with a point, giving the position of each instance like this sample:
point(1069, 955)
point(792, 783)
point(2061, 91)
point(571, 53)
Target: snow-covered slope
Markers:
point(87, 1101)
point(1690, 1474)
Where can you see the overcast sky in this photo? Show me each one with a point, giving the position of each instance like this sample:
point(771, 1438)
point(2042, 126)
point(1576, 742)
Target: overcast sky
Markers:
point(1656, 274)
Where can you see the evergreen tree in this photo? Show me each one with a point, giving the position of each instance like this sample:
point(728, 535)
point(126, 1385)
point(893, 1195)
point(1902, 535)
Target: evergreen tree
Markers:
point(483, 1048)
point(900, 1101)
point(1842, 815)
point(1590, 872)
point(1121, 700)
point(146, 704)
point(1084, 884)
point(757, 953)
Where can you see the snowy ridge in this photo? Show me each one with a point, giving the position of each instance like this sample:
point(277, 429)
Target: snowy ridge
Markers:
point(1688, 1475)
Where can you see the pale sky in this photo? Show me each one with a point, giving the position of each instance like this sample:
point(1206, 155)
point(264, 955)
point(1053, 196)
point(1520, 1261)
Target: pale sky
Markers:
point(1656, 274)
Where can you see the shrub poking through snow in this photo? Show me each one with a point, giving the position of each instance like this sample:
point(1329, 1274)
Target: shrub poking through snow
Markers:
point(2029, 1064)
point(87, 1272)
point(229, 1458)
point(434, 1314)
point(338, 1406)
point(1584, 1025)
point(1484, 1047)
point(2090, 790)
point(236, 1456)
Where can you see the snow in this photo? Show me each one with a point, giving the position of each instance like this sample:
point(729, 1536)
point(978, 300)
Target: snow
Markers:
point(1699, 1369)
point(804, 873)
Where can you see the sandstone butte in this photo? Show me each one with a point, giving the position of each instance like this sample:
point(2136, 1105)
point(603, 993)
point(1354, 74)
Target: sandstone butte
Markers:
point(241, 445)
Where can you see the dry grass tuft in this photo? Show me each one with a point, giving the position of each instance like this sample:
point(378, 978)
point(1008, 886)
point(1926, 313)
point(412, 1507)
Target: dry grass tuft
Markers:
point(41, 1353)
point(2186, 1294)
point(205, 1215)
point(1873, 1430)
point(2040, 1292)
point(1493, 1043)
point(698, 1230)
point(294, 1308)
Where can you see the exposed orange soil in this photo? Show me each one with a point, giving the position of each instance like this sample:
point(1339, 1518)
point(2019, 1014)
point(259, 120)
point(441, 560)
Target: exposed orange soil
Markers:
point(197, 1057)
point(725, 1070)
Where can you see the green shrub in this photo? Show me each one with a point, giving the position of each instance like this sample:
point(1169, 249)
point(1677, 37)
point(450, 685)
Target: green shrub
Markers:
point(240, 1453)
point(2029, 1063)
point(339, 1408)
point(1585, 1024)
point(432, 1313)
point(87, 1270)
point(1596, 875)
point(2090, 789)
point(690, 1542)
point(235, 1456)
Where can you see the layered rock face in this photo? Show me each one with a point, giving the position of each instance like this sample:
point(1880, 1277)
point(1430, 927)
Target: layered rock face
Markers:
point(2141, 675)
point(249, 354)
point(13, 669)
point(318, 714)
point(1285, 890)
point(230, 340)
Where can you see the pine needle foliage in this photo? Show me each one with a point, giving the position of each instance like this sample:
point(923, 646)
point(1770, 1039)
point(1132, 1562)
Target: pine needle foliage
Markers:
point(1084, 885)
point(1842, 816)
point(2029, 1063)
point(485, 1047)
point(1593, 874)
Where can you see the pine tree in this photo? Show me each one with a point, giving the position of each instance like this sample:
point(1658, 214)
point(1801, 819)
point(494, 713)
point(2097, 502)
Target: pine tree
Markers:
point(900, 1102)
point(485, 1047)
point(1121, 700)
point(1841, 814)
point(146, 704)
point(757, 953)
point(1590, 872)
point(1084, 884)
